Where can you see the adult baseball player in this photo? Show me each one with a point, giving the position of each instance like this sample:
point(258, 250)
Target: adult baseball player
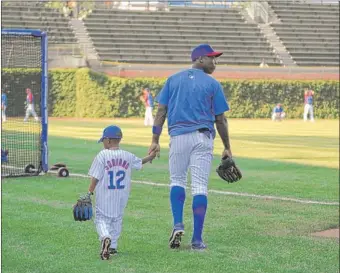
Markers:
point(308, 97)
point(192, 101)
point(4, 103)
point(278, 113)
point(30, 105)
point(4, 155)
point(111, 177)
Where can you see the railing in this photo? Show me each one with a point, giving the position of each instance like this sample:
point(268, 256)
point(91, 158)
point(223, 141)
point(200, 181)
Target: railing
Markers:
point(80, 8)
point(149, 4)
point(322, 2)
point(258, 11)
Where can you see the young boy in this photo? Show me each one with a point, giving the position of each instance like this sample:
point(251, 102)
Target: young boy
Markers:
point(111, 177)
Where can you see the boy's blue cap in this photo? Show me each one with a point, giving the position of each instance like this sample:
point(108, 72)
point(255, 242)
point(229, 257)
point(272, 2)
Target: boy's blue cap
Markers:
point(111, 132)
point(204, 50)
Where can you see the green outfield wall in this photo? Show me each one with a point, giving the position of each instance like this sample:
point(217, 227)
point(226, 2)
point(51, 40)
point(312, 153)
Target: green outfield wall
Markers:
point(83, 93)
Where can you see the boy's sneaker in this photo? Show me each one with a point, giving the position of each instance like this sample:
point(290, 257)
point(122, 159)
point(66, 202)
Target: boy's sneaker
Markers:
point(176, 235)
point(113, 251)
point(105, 253)
point(199, 246)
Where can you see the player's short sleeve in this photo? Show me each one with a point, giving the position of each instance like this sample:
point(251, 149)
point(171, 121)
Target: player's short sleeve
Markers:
point(220, 104)
point(97, 167)
point(136, 162)
point(163, 96)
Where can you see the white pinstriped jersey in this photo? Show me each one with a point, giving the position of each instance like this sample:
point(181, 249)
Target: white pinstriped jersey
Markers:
point(113, 169)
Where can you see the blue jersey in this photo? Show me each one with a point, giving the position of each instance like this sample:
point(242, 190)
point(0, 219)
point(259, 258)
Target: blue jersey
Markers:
point(278, 109)
point(310, 100)
point(4, 99)
point(193, 98)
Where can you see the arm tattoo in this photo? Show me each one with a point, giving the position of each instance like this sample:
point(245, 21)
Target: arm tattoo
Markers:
point(222, 129)
point(159, 120)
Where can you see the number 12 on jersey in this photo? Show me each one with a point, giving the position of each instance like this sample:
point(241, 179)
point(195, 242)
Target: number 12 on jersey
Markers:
point(116, 179)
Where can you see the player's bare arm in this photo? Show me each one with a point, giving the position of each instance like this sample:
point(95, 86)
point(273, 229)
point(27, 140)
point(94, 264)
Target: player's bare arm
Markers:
point(223, 131)
point(93, 184)
point(159, 121)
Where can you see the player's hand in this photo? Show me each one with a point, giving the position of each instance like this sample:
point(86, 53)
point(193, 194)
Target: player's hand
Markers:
point(154, 149)
point(227, 153)
point(152, 156)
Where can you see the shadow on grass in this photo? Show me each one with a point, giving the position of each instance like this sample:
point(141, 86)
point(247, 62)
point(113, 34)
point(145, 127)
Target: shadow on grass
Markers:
point(303, 141)
point(260, 176)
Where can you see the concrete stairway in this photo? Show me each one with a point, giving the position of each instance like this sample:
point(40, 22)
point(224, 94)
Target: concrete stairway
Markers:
point(85, 42)
point(272, 16)
point(279, 48)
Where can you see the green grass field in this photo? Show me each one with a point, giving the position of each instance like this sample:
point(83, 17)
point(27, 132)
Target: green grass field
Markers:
point(290, 159)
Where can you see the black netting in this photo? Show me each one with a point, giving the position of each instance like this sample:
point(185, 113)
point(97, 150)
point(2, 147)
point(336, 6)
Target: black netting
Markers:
point(21, 73)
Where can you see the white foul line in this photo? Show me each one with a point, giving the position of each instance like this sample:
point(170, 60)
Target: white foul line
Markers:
point(266, 197)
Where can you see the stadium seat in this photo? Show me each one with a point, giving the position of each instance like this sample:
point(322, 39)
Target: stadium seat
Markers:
point(39, 17)
point(168, 37)
point(310, 32)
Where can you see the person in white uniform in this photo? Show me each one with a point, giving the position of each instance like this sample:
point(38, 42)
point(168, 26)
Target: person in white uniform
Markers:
point(111, 178)
point(308, 109)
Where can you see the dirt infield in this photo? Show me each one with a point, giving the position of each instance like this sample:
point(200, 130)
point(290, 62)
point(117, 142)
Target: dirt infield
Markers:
point(329, 233)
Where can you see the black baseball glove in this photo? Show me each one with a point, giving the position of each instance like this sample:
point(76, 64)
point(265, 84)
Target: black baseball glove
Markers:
point(82, 210)
point(228, 171)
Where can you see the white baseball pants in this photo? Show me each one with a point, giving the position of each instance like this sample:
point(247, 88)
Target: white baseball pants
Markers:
point(195, 151)
point(148, 120)
point(109, 227)
point(278, 116)
point(308, 109)
point(3, 113)
point(30, 111)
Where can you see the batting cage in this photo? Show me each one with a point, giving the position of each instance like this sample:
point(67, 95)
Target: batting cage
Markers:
point(24, 91)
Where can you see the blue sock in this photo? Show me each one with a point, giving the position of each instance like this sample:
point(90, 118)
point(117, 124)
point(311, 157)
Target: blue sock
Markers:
point(177, 198)
point(199, 208)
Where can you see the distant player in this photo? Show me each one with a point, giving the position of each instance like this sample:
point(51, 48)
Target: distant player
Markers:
point(147, 100)
point(308, 98)
point(111, 177)
point(193, 101)
point(278, 113)
point(4, 103)
point(4, 155)
point(30, 105)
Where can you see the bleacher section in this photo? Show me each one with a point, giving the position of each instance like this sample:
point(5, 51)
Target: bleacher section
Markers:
point(60, 34)
point(310, 32)
point(168, 37)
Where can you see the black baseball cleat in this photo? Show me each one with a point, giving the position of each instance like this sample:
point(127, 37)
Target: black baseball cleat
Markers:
point(176, 236)
point(105, 253)
point(113, 251)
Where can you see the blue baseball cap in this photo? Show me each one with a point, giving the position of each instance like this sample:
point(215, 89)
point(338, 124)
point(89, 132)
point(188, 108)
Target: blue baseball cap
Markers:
point(111, 132)
point(204, 50)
